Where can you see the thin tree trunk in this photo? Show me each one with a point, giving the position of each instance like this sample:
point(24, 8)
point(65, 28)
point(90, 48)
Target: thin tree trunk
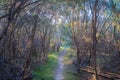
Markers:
point(94, 21)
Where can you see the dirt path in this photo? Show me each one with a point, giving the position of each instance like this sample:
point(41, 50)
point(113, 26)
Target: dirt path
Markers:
point(59, 71)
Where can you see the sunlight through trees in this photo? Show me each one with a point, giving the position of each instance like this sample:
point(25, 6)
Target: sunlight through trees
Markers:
point(31, 29)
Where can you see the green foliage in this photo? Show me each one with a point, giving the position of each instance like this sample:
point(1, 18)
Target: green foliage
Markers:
point(2, 2)
point(66, 30)
point(46, 70)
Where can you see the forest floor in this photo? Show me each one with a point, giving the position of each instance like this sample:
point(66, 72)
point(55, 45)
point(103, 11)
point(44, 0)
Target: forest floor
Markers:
point(59, 66)
point(66, 70)
point(46, 70)
point(70, 71)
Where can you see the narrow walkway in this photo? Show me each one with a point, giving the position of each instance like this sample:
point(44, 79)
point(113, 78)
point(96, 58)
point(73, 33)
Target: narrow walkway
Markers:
point(60, 67)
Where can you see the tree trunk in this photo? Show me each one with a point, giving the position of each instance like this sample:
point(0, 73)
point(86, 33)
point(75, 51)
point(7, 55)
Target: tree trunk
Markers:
point(30, 44)
point(94, 21)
